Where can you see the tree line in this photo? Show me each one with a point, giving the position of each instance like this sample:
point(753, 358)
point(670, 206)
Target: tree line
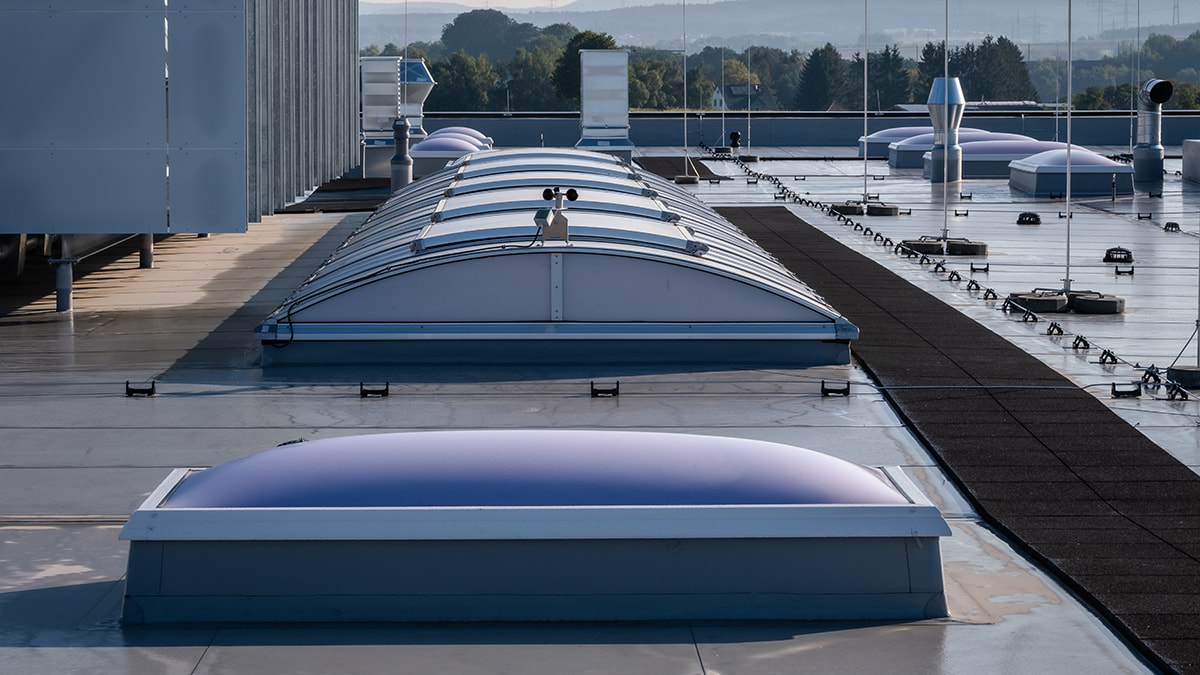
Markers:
point(486, 61)
point(1111, 82)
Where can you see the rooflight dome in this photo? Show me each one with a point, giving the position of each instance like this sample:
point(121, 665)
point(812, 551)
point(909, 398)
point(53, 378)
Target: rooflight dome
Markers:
point(463, 131)
point(532, 468)
point(964, 135)
point(446, 143)
point(1045, 174)
point(478, 144)
point(1021, 146)
point(1080, 158)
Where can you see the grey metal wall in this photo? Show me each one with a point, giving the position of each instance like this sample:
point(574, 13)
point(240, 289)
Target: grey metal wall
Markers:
point(301, 97)
point(122, 116)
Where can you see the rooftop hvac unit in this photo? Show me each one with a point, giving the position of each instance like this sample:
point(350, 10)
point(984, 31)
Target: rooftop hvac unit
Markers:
point(392, 87)
point(604, 101)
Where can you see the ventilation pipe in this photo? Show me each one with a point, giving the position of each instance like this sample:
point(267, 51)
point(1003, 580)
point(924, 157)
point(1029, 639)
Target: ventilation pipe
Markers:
point(1148, 153)
point(401, 163)
point(946, 105)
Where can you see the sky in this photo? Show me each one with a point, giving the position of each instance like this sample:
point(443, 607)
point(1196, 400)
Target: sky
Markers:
point(535, 4)
point(487, 4)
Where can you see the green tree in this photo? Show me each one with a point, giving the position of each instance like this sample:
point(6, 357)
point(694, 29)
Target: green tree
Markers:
point(822, 81)
point(566, 71)
point(486, 31)
point(962, 66)
point(736, 72)
point(999, 72)
point(529, 80)
point(1049, 76)
point(1185, 97)
point(563, 32)
point(700, 90)
point(889, 80)
point(1162, 56)
point(780, 71)
point(465, 83)
point(656, 84)
point(931, 65)
point(1091, 98)
point(392, 49)
point(369, 50)
point(1120, 97)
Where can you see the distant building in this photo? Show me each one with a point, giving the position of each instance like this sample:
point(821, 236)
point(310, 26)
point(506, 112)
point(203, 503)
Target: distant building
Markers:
point(734, 97)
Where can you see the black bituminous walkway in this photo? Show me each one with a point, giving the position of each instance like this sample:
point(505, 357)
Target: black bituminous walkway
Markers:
point(1086, 493)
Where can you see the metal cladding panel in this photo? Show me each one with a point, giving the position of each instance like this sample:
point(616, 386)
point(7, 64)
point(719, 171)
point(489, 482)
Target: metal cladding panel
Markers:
point(198, 176)
point(88, 112)
point(207, 96)
point(302, 84)
point(125, 190)
point(208, 112)
point(82, 79)
point(272, 85)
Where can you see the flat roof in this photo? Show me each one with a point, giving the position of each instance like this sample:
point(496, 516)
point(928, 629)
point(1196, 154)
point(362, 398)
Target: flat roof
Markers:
point(74, 476)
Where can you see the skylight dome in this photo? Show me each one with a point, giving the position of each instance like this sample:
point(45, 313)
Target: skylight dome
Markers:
point(532, 468)
point(1045, 174)
point(534, 525)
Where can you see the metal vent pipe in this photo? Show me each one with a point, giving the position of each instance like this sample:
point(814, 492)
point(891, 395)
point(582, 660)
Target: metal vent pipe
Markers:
point(946, 106)
point(1148, 153)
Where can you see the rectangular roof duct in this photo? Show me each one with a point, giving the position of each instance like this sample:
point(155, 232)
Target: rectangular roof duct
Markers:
point(604, 99)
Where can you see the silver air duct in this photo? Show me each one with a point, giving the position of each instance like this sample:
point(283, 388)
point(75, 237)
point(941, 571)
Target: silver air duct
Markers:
point(1148, 153)
point(946, 105)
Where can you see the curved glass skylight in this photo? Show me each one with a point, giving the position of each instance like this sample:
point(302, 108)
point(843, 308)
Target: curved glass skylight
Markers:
point(638, 259)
